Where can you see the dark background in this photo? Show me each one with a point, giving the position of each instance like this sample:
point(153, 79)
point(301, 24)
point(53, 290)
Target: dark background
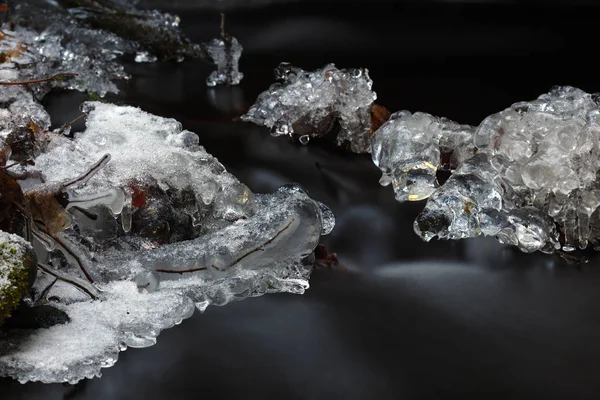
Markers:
point(407, 320)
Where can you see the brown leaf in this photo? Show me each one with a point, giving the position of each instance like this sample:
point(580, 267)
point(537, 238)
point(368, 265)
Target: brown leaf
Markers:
point(379, 115)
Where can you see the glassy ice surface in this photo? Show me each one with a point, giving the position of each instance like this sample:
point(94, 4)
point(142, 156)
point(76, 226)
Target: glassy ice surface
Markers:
point(411, 148)
point(86, 38)
point(533, 182)
point(226, 53)
point(327, 101)
point(162, 228)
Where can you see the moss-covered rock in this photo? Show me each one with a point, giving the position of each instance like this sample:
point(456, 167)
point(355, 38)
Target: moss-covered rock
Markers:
point(17, 271)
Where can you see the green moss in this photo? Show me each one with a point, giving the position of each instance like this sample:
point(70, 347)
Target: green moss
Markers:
point(17, 270)
point(94, 96)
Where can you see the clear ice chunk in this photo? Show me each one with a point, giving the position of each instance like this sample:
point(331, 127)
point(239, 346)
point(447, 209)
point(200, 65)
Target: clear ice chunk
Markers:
point(225, 52)
point(327, 101)
point(410, 149)
point(534, 180)
point(243, 244)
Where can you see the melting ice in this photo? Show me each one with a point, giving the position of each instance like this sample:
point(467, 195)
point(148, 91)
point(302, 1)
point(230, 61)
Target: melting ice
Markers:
point(162, 229)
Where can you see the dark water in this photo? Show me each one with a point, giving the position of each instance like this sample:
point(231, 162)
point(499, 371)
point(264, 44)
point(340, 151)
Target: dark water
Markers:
point(408, 320)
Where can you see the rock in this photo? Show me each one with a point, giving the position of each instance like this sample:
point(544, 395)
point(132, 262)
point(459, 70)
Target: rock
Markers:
point(38, 317)
point(18, 266)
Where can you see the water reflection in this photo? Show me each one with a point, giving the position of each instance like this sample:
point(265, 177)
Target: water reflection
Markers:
point(227, 99)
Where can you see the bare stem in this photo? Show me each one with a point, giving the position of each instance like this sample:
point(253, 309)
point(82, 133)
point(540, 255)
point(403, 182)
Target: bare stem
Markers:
point(51, 78)
point(183, 271)
point(66, 247)
point(262, 247)
point(29, 161)
point(223, 35)
point(259, 248)
point(89, 173)
point(47, 289)
point(79, 283)
point(68, 124)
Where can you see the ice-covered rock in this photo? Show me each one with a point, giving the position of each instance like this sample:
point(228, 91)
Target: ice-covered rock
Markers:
point(17, 272)
point(534, 180)
point(307, 105)
point(237, 244)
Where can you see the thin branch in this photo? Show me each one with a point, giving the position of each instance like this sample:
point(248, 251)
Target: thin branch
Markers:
point(46, 290)
point(259, 248)
point(171, 271)
point(64, 245)
point(91, 215)
point(79, 283)
point(223, 34)
point(29, 161)
point(262, 247)
point(68, 124)
point(86, 176)
point(51, 78)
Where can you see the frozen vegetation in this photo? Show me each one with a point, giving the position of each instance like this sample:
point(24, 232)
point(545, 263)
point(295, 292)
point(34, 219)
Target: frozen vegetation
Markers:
point(225, 53)
point(328, 101)
point(146, 235)
point(527, 175)
point(533, 181)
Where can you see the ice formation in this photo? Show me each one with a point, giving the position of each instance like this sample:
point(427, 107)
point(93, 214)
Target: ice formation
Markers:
point(162, 228)
point(527, 175)
point(411, 150)
point(21, 116)
point(87, 37)
point(225, 52)
point(327, 101)
point(72, 45)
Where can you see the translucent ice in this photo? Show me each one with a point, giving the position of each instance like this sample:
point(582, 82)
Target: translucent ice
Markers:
point(327, 101)
point(534, 180)
point(87, 37)
point(410, 149)
point(225, 52)
point(190, 234)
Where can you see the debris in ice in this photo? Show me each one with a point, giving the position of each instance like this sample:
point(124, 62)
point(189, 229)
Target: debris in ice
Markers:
point(17, 272)
point(411, 150)
point(87, 37)
point(225, 52)
point(210, 241)
point(327, 101)
point(533, 182)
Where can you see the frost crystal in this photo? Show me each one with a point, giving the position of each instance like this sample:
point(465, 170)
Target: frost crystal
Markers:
point(162, 229)
point(327, 101)
point(533, 182)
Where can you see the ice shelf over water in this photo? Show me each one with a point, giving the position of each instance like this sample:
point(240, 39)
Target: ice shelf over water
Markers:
point(328, 101)
point(162, 228)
